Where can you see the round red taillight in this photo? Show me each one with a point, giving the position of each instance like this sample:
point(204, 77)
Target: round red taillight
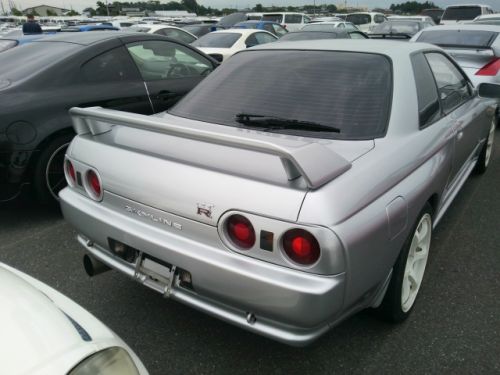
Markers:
point(70, 170)
point(240, 231)
point(301, 246)
point(94, 183)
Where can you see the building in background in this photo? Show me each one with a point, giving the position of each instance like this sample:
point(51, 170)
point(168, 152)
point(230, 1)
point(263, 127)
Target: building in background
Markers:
point(46, 10)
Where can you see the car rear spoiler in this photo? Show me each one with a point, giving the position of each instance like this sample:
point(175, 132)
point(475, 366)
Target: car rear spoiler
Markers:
point(314, 162)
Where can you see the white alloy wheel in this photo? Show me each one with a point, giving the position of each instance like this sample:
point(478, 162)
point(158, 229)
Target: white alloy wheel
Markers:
point(489, 144)
point(416, 262)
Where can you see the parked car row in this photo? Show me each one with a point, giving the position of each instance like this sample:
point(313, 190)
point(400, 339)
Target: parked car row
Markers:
point(250, 194)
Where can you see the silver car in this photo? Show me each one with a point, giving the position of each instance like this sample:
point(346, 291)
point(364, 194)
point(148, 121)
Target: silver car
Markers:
point(475, 47)
point(284, 208)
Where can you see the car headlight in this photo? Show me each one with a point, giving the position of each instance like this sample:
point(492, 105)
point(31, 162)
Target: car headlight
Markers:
point(110, 361)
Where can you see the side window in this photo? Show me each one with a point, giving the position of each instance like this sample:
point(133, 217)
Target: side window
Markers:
point(341, 25)
point(453, 87)
point(159, 60)
point(278, 30)
point(307, 19)
point(429, 109)
point(268, 27)
point(379, 19)
point(251, 41)
point(263, 38)
point(293, 18)
point(112, 66)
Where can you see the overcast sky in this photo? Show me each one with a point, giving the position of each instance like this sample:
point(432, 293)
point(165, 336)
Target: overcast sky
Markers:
point(81, 4)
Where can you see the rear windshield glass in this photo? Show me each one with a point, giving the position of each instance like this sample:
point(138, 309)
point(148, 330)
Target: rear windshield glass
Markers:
point(141, 29)
point(359, 19)
point(217, 40)
point(7, 44)
point(273, 17)
point(34, 56)
point(313, 35)
point(323, 94)
point(319, 27)
point(397, 27)
point(461, 13)
point(459, 38)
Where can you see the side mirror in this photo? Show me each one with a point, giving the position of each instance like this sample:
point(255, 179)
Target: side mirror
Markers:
point(489, 90)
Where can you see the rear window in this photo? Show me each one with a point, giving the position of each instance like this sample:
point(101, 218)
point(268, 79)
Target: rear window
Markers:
point(461, 13)
point(319, 27)
point(346, 94)
point(359, 19)
point(398, 27)
point(141, 29)
point(273, 17)
point(35, 56)
point(313, 35)
point(459, 38)
point(217, 40)
point(293, 18)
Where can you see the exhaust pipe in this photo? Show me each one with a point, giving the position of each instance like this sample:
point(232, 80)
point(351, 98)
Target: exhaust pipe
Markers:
point(92, 266)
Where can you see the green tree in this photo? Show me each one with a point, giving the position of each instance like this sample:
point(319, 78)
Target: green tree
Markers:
point(16, 12)
point(51, 13)
point(72, 13)
point(258, 8)
point(90, 11)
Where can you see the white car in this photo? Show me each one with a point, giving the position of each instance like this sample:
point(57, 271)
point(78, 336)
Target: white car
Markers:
point(223, 44)
point(426, 19)
point(366, 21)
point(289, 20)
point(166, 30)
point(329, 26)
point(44, 332)
point(464, 12)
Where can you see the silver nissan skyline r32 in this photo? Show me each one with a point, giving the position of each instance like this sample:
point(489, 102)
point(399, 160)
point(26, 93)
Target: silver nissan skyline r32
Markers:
point(296, 185)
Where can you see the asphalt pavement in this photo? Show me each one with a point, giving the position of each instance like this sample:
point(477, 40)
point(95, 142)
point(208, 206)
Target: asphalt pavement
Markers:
point(454, 328)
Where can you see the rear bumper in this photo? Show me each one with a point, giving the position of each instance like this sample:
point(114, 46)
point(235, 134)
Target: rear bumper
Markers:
point(290, 306)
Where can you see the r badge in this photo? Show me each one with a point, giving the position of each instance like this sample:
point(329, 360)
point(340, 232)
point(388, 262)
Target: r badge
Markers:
point(205, 209)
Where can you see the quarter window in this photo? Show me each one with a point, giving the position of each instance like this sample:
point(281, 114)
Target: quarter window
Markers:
point(429, 109)
point(453, 87)
point(111, 66)
point(263, 38)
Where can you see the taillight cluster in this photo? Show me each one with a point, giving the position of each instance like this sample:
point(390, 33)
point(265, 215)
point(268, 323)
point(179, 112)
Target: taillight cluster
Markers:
point(298, 245)
point(90, 181)
point(490, 69)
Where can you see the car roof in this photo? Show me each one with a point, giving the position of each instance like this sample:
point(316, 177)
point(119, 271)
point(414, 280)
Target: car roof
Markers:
point(86, 38)
point(328, 22)
point(468, 5)
point(487, 16)
point(463, 26)
point(396, 50)
point(240, 31)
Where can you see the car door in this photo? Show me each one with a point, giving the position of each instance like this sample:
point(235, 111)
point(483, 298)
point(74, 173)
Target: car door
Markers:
point(169, 70)
point(460, 106)
point(111, 80)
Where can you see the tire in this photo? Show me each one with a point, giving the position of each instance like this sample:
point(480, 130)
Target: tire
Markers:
point(408, 271)
point(485, 156)
point(48, 177)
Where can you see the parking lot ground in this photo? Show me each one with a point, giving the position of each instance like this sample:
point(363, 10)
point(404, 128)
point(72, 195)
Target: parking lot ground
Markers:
point(455, 327)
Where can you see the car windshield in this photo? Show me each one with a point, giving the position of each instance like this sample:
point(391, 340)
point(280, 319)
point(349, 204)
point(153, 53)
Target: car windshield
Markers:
point(459, 38)
point(217, 40)
point(461, 13)
point(196, 29)
point(397, 27)
point(325, 94)
point(359, 19)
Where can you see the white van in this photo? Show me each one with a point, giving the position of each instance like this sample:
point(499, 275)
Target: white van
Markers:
point(464, 12)
point(289, 20)
point(366, 21)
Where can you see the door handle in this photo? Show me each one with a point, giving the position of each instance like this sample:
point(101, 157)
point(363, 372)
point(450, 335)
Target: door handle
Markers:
point(460, 134)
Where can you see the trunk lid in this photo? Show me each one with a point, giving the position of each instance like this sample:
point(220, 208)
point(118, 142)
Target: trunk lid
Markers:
point(200, 179)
